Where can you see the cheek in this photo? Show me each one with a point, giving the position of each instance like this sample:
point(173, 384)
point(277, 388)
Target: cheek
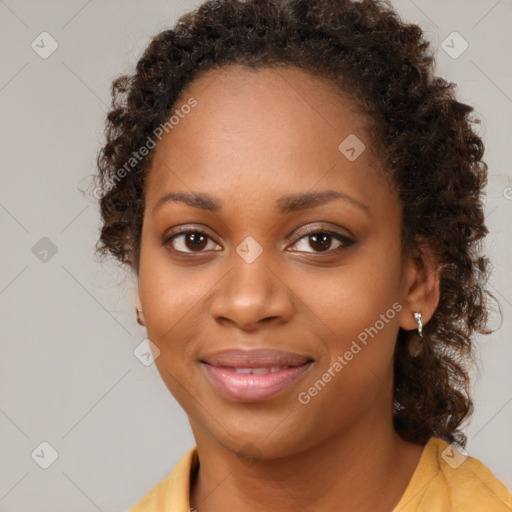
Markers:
point(358, 313)
point(353, 296)
point(171, 298)
point(174, 298)
point(357, 308)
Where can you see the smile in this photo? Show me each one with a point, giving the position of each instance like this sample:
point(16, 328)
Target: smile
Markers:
point(255, 375)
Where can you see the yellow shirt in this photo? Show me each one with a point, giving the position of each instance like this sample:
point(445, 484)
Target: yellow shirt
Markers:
point(444, 481)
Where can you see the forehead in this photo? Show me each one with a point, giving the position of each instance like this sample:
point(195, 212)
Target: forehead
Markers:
point(235, 98)
point(276, 126)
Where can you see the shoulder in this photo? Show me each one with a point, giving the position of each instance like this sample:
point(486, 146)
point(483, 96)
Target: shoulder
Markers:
point(449, 479)
point(172, 493)
point(470, 484)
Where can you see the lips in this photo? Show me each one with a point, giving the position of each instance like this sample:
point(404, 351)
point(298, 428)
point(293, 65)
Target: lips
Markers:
point(255, 358)
point(254, 375)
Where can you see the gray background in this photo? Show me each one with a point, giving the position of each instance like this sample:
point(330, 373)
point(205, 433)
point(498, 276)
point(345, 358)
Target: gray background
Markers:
point(68, 374)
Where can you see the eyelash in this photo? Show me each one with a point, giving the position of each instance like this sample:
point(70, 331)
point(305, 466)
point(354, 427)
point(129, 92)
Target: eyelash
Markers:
point(343, 239)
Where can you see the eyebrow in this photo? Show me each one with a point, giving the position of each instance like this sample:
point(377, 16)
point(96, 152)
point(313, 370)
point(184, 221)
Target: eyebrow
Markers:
point(285, 204)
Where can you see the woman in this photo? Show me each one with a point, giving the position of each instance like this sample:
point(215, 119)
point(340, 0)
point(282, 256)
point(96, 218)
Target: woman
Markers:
point(300, 200)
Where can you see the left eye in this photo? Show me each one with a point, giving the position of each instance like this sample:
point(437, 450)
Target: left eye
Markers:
point(322, 240)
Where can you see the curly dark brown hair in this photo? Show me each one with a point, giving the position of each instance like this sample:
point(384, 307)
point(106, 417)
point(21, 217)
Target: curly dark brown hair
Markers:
point(422, 134)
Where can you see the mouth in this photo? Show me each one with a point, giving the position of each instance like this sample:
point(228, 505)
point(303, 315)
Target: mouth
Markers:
point(254, 375)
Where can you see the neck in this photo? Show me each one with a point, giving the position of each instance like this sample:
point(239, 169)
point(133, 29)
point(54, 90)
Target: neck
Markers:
point(367, 467)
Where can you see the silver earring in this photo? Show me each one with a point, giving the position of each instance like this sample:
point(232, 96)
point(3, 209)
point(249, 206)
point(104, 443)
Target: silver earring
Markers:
point(417, 316)
point(138, 312)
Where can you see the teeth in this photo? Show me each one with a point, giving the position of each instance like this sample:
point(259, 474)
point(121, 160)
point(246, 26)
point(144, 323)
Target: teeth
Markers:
point(260, 371)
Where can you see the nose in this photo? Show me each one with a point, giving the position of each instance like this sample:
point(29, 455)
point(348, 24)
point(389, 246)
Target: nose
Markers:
point(250, 295)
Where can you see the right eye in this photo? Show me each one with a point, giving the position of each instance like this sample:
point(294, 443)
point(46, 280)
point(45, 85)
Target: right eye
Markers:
point(189, 241)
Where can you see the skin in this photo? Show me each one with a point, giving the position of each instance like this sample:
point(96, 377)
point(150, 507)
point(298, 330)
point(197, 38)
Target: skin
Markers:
point(255, 136)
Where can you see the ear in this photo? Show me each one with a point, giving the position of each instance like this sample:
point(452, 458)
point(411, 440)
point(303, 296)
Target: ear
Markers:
point(420, 286)
point(139, 316)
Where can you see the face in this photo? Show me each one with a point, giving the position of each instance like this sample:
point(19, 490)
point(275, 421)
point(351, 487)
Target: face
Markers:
point(285, 258)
